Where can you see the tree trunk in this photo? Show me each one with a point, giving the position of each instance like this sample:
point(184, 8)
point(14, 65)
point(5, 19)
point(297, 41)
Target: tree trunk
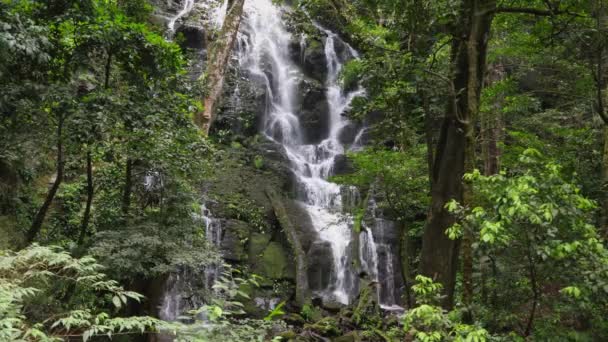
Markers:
point(90, 191)
point(455, 153)
point(217, 62)
point(604, 224)
point(41, 214)
point(600, 85)
point(128, 189)
point(428, 135)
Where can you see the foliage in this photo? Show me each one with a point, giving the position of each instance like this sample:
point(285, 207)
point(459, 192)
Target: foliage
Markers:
point(49, 276)
point(399, 178)
point(224, 314)
point(428, 322)
point(537, 216)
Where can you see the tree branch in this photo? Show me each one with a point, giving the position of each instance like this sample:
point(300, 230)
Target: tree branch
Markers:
point(533, 11)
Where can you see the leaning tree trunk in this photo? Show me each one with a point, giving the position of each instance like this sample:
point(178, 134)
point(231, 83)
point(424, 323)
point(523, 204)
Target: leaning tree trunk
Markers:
point(90, 192)
point(41, 214)
point(219, 55)
point(456, 147)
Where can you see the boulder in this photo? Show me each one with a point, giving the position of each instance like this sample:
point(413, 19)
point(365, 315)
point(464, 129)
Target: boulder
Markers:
point(274, 263)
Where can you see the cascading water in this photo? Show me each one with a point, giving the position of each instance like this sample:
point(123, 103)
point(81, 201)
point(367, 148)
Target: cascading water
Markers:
point(264, 52)
point(181, 292)
point(215, 7)
point(377, 250)
point(187, 7)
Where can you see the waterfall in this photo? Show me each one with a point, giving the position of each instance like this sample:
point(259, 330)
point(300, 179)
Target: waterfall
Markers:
point(264, 52)
point(181, 292)
point(216, 19)
point(187, 6)
point(377, 253)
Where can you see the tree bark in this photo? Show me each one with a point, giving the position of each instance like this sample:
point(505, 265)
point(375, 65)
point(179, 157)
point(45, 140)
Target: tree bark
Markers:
point(90, 192)
point(428, 135)
point(219, 55)
point(604, 223)
point(128, 188)
point(455, 153)
point(601, 17)
point(41, 214)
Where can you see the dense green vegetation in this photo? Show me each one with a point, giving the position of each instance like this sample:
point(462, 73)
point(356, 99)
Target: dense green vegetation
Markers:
point(486, 142)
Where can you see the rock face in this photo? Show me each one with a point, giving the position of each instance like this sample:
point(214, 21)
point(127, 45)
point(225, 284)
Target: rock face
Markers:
point(313, 110)
point(320, 266)
point(388, 269)
point(257, 235)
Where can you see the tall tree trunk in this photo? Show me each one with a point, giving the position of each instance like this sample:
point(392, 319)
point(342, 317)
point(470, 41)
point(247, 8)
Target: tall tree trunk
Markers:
point(217, 62)
point(90, 192)
point(41, 214)
point(604, 224)
point(428, 135)
point(128, 188)
point(455, 153)
point(601, 17)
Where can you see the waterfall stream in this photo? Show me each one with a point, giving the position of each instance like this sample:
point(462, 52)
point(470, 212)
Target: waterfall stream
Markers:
point(263, 52)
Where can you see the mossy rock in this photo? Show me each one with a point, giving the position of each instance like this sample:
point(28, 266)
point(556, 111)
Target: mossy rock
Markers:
point(257, 244)
point(367, 312)
point(352, 336)
point(274, 263)
point(327, 326)
point(294, 319)
point(288, 335)
point(236, 236)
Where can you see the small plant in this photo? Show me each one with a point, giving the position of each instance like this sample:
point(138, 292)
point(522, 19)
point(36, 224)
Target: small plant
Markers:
point(276, 312)
point(258, 162)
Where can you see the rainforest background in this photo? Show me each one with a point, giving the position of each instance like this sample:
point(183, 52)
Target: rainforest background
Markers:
point(304, 170)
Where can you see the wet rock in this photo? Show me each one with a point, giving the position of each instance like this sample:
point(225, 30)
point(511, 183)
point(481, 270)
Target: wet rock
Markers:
point(385, 231)
point(193, 37)
point(314, 62)
point(313, 111)
point(320, 265)
point(349, 133)
point(306, 231)
point(342, 165)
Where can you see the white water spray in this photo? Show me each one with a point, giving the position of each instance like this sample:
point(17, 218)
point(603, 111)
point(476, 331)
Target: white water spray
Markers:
point(187, 7)
point(264, 52)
